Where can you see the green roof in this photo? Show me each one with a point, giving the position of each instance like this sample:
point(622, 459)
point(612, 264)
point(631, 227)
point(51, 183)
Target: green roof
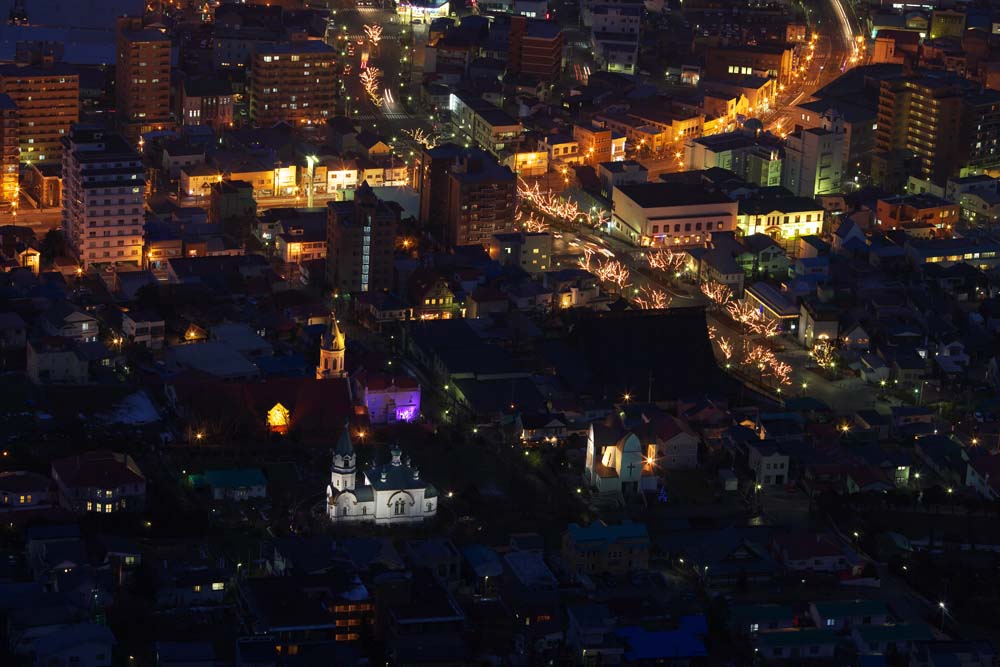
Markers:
point(230, 478)
point(913, 632)
point(803, 637)
point(760, 612)
point(847, 608)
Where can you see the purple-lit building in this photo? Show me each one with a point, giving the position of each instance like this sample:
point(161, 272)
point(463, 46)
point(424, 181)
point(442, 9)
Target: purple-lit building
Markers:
point(390, 399)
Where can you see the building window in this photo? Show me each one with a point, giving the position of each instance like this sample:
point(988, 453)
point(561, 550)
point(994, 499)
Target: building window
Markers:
point(218, 586)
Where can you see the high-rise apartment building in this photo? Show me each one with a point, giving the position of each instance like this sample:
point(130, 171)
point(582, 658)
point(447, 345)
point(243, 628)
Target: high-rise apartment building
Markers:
point(536, 48)
point(48, 103)
point(814, 159)
point(943, 121)
point(481, 199)
point(102, 203)
point(142, 78)
point(360, 240)
point(9, 160)
point(292, 83)
point(466, 196)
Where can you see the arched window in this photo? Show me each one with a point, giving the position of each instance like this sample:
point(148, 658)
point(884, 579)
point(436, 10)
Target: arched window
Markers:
point(399, 507)
point(343, 511)
point(429, 507)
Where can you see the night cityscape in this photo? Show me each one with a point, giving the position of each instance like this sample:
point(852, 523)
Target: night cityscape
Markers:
point(500, 333)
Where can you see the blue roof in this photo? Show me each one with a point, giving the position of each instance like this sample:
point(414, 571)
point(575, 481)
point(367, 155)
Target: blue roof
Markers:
point(233, 478)
point(602, 532)
point(643, 645)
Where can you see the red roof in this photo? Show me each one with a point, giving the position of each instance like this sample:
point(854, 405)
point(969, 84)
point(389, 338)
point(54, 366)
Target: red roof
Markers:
point(381, 382)
point(101, 468)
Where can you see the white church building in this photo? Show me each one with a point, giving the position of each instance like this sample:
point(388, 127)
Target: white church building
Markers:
point(617, 463)
point(389, 493)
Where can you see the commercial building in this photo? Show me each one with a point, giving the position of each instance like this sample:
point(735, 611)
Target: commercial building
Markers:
point(597, 144)
point(489, 127)
point(923, 210)
point(102, 204)
point(142, 78)
point(739, 152)
point(782, 218)
point(728, 63)
point(531, 251)
point(481, 200)
point(673, 214)
point(48, 102)
point(360, 238)
point(292, 83)
point(814, 160)
point(535, 48)
point(9, 152)
point(205, 101)
point(945, 122)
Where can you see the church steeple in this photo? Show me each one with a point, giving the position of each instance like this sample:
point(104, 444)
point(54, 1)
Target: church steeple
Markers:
point(331, 352)
point(344, 468)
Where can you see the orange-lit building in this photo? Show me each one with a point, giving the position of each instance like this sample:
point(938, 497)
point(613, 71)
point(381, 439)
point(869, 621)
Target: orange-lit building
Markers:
point(8, 152)
point(48, 102)
point(142, 79)
point(292, 83)
point(918, 210)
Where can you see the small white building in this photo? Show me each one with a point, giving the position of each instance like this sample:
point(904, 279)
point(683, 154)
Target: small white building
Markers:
point(768, 463)
point(616, 463)
point(390, 399)
point(390, 493)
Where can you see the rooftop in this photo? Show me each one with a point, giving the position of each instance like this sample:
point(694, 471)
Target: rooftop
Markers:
point(662, 195)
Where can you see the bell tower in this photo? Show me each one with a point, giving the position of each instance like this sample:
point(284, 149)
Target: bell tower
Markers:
point(331, 352)
point(344, 469)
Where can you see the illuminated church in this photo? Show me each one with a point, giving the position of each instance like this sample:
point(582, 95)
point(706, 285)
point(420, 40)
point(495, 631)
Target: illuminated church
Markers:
point(616, 463)
point(390, 493)
point(332, 347)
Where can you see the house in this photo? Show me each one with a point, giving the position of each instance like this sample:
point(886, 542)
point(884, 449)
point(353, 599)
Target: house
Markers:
point(940, 653)
point(78, 645)
point(543, 427)
point(749, 619)
point(66, 320)
point(762, 256)
point(232, 483)
point(21, 490)
point(845, 614)
point(100, 481)
point(589, 635)
point(13, 331)
point(438, 555)
point(768, 463)
point(56, 360)
point(143, 327)
point(724, 559)
point(817, 321)
point(796, 646)
point(810, 553)
point(601, 548)
point(615, 464)
point(866, 479)
point(676, 444)
point(945, 456)
point(848, 238)
point(885, 638)
point(661, 647)
point(189, 585)
point(855, 338)
point(983, 474)
point(389, 398)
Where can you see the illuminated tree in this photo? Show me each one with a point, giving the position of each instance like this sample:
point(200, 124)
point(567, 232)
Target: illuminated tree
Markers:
point(585, 261)
point(823, 353)
point(719, 294)
point(374, 34)
point(371, 80)
point(652, 299)
point(613, 271)
point(665, 259)
point(422, 137)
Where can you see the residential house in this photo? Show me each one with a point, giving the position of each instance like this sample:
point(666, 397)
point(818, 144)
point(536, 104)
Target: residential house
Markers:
point(890, 638)
point(543, 427)
point(762, 256)
point(232, 484)
point(768, 463)
point(844, 614)
point(66, 320)
point(100, 481)
point(749, 619)
point(946, 457)
point(601, 548)
point(796, 646)
point(21, 490)
point(144, 327)
point(78, 645)
point(983, 474)
point(189, 585)
point(590, 635)
point(808, 552)
point(56, 360)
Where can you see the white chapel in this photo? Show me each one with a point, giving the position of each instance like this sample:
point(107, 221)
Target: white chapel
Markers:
point(390, 493)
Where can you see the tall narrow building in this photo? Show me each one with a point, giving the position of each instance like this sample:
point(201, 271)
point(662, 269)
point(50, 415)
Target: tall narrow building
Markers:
point(48, 103)
point(102, 203)
point(9, 191)
point(142, 79)
point(332, 347)
point(360, 240)
point(814, 159)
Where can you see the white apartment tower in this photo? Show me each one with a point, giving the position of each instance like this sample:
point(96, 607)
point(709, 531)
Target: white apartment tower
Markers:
point(103, 194)
point(814, 159)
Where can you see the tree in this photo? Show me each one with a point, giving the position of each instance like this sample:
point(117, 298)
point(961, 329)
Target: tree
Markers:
point(53, 245)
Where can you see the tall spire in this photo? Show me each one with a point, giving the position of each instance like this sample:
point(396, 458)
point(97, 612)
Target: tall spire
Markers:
point(332, 346)
point(334, 339)
point(344, 445)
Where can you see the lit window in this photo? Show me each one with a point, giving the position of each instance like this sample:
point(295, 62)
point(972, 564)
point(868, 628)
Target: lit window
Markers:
point(218, 586)
point(197, 588)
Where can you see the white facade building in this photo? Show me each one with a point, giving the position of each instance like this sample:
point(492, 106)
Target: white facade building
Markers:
point(103, 194)
point(672, 214)
point(391, 493)
point(814, 160)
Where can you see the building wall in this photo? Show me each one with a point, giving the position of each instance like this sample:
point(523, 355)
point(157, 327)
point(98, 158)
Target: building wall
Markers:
point(290, 85)
point(48, 102)
point(142, 78)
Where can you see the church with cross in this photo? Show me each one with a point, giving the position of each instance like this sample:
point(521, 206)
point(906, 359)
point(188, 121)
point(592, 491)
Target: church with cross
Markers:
point(616, 464)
